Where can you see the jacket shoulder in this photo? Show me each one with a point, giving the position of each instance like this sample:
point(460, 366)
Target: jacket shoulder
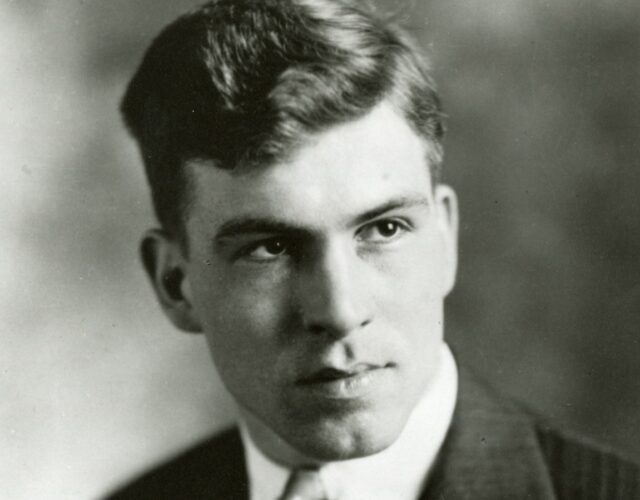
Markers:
point(581, 469)
point(213, 469)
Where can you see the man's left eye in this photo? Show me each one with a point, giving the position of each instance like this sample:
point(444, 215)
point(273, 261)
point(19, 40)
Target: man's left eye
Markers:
point(381, 231)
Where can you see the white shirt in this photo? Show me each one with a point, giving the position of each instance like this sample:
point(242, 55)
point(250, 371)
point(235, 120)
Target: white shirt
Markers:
point(396, 473)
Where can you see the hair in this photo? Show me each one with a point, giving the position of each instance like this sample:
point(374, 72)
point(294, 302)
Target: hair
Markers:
point(244, 82)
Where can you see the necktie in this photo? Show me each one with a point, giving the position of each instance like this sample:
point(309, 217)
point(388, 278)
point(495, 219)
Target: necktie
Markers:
point(304, 484)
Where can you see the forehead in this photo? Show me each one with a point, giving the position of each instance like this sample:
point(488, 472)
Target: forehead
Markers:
point(344, 170)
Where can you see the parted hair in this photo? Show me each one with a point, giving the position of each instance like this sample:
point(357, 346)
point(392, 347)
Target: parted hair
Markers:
point(244, 82)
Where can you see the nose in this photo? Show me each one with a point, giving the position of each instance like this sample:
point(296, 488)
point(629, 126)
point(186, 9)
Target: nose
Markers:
point(333, 294)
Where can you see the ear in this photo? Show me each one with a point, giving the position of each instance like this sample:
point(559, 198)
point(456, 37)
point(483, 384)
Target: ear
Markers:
point(166, 267)
point(446, 203)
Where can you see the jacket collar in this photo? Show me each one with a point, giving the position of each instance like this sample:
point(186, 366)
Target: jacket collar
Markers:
point(491, 451)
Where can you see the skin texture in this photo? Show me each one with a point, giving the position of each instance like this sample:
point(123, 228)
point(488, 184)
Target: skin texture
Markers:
point(319, 283)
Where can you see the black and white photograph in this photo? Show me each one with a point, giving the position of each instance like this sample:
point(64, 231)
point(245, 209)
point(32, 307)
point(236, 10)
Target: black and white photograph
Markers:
point(320, 250)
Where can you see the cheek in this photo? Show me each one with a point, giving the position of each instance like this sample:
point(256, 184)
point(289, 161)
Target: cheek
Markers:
point(409, 297)
point(243, 322)
point(239, 313)
point(417, 274)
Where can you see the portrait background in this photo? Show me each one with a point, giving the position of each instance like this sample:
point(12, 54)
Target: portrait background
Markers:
point(543, 101)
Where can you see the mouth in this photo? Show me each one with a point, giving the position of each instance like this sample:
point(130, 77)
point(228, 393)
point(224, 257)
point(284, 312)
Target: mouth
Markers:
point(355, 382)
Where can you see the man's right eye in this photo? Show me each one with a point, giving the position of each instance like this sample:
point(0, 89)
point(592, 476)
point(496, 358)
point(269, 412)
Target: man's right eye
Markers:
point(265, 251)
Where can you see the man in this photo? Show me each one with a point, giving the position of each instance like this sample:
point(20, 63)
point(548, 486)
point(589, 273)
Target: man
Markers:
point(293, 149)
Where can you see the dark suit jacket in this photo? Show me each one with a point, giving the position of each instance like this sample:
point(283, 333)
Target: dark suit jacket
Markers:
point(494, 450)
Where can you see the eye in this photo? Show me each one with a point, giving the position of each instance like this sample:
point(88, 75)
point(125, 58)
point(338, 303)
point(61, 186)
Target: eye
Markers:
point(266, 250)
point(382, 231)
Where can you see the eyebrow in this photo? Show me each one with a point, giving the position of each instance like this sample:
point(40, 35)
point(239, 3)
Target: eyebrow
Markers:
point(241, 226)
point(256, 225)
point(392, 204)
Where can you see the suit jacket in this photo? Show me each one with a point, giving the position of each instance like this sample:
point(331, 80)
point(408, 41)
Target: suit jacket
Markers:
point(494, 450)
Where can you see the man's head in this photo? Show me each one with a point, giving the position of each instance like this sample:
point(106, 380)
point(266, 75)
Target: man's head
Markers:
point(291, 148)
point(245, 82)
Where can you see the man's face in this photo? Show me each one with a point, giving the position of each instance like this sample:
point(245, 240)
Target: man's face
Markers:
point(319, 283)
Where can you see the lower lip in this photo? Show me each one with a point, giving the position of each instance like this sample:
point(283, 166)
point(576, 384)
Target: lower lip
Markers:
point(351, 387)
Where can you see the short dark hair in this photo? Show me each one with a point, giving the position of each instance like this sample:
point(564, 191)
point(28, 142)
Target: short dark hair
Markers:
point(245, 81)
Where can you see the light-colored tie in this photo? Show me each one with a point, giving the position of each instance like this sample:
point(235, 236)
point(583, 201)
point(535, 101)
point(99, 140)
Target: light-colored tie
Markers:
point(304, 484)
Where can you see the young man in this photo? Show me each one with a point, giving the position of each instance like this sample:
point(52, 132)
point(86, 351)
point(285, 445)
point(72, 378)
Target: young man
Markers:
point(293, 149)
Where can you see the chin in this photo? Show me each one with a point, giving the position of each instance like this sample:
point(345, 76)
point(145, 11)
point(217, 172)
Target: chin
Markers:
point(330, 441)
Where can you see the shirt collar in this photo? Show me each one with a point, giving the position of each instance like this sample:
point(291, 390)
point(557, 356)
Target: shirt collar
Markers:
point(397, 473)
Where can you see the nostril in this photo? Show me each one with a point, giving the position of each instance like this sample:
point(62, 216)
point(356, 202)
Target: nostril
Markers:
point(316, 329)
point(335, 330)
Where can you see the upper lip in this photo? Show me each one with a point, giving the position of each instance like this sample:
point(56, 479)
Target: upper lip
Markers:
point(330, 373)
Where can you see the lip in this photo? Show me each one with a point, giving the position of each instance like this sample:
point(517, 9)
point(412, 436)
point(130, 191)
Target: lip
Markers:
point(354, 382)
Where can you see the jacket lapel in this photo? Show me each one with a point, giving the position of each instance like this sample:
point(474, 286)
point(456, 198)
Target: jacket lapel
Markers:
point(491, 451)
point(223, 471)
